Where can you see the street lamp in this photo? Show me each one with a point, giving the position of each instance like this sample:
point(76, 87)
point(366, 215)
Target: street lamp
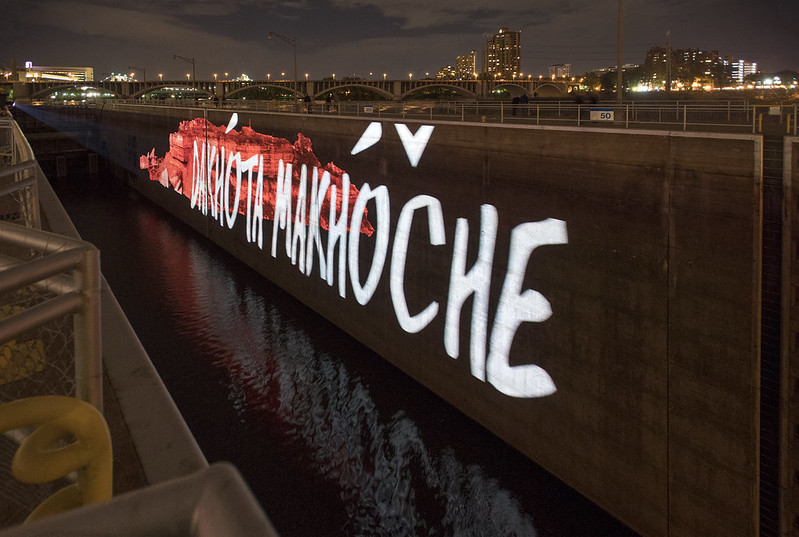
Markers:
point(384, 77)
point(214, 77)
point(143, 72)
point(187, 76)
point(619, 71)
point(160, 76)
point(306, 77)
point(187, 60)
point(293, 42)
point(410, 76)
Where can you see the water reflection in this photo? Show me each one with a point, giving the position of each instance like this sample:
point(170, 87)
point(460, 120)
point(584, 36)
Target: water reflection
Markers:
point(389, 481)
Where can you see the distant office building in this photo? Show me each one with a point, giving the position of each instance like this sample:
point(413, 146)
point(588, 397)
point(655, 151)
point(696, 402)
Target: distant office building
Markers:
point(42, 72)
point(503, 55)
point(561, 70)
point(742, 68)
point(466, 65)
point(446, 73)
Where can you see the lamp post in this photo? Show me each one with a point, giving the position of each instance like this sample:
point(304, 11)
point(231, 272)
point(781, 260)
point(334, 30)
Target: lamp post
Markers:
point(293, 42)
point(187, 60)
point(143, 72)
point(619, 74)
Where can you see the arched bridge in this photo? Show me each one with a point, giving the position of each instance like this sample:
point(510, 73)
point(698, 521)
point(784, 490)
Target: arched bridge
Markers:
point(389, 89)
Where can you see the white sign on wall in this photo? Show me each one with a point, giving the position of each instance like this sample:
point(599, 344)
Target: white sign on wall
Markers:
point(602, 114)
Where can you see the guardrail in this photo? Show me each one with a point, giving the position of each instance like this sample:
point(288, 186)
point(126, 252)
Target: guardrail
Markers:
point(700, 115)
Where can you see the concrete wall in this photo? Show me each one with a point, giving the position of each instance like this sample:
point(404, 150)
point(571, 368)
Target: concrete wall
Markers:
point(653, 340)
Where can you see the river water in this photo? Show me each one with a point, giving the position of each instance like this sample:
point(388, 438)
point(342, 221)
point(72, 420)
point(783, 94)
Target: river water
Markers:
point(332, 439)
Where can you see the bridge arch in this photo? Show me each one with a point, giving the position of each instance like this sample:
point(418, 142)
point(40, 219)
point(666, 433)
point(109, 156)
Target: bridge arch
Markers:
point(550, 90)
point(343, 88)
point(236, 93)
point(458, 89)
point(166, 87)
point(82, 88)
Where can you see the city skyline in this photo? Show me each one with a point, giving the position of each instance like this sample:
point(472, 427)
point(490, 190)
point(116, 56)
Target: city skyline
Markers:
point(371, 37)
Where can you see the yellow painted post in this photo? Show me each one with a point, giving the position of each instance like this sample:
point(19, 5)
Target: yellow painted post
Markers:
point(40, 458)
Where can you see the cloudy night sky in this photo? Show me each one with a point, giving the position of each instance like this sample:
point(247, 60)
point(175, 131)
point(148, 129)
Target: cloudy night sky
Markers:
point(397, 37)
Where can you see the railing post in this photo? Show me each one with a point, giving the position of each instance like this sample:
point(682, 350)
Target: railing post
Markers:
point(88, 343)
point(754, 124)
point(502, 112)
point(685, 118)
point(578, 114)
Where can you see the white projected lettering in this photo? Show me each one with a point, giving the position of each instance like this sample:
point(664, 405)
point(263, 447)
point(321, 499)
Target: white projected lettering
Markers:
point(516, 307)
point(476, 282)
point(413, 323)
point(304, 201)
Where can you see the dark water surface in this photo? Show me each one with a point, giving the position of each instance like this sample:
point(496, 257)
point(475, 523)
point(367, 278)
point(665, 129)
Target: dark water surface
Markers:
point(332, 439)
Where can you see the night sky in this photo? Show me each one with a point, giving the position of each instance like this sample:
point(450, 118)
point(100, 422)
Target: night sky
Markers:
point(396, 37)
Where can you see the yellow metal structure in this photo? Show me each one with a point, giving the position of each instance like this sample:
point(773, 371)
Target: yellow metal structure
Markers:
point(19, 360)
point(43, 456)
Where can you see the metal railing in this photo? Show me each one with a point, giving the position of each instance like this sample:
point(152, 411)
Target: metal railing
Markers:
point(699, 115)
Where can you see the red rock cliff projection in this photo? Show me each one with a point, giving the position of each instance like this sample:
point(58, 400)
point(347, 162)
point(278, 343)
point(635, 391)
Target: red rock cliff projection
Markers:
point(176, 167)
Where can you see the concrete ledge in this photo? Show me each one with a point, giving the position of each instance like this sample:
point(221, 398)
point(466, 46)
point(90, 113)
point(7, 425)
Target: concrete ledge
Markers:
point(214, 502)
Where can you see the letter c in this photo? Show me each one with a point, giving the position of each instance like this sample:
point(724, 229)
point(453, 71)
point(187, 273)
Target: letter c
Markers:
point(413, 323)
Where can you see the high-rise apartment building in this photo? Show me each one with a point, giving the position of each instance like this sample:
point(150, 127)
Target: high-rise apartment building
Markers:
point(503, 55)
point(686, 67)
point(466, 65)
